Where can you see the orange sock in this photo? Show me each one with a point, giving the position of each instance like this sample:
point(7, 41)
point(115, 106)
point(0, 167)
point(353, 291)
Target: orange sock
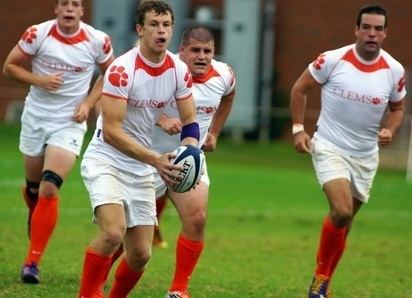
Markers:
point(94, 271)
point(114, 258)
point(187, 255)
point(332, 238)
point(336, 257)
point(43, 222)
point(125, 279)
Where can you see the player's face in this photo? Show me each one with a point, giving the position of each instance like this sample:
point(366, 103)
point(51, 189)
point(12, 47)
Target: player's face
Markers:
point(68, 14)
point(156, 32)
point(370, 35)
point(197, 55)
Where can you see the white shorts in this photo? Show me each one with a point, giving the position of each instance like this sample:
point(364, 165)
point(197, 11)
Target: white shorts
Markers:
point(161, 188)
point(330, 163)
point(36, 133)
point(109, 185)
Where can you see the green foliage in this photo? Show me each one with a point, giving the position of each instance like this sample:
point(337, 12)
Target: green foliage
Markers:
point(264, 218)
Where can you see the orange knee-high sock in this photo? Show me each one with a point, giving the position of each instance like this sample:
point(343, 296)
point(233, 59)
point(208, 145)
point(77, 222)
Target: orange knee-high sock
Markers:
point(187, 255)
point(95, 267)
point(160, 206)
point(331, 239)
point(336, 257)
point(43, 222)
point(125, 279)
point(114, 258)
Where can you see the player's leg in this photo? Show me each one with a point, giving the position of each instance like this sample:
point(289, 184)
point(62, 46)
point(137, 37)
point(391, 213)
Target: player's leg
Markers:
point(338, 254)
point(33, 166)
point(98, 257)
point(141, 219)
point(158, 240)
point(333, 173)
point(191, 207)
point(138, 243)
point(31, 144)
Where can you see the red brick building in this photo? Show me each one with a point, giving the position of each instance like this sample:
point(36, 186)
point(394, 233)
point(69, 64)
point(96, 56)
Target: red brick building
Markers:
point(303, 28)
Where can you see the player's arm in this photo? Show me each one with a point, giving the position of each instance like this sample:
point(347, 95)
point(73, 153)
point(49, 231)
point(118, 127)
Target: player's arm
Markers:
point(218, 121)
point(83, 109)
point(304, 84)
point(114, 111)
point(14, 67)
point(190, 127)
point(392, 122)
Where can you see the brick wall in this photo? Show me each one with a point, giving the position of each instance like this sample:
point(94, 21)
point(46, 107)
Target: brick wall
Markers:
point(303, 29)
point(15, 17)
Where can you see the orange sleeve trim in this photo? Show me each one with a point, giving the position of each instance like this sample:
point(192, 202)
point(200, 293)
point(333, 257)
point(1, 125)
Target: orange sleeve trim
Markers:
point(28, 55)
point(114, 96)
point(184, 98)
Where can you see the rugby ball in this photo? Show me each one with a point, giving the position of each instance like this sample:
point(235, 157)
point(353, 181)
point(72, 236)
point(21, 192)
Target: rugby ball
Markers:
point(191, 159)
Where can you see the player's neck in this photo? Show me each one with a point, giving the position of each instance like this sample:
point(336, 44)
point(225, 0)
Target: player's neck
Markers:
point(367, 56)
point(68, 30)
point(150, 55)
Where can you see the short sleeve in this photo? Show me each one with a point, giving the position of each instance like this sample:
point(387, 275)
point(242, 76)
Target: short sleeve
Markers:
point(118, 79)
point(32, 38)
point(321, 68)
point(399, 88)
point(184, 81)
point(104, 46)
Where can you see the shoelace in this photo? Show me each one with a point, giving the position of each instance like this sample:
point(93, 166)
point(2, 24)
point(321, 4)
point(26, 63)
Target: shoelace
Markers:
point(318, 283)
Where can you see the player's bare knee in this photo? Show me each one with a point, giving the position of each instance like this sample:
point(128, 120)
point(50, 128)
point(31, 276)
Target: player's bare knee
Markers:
point(50, 183)
point(341, 217)
point(138, 259)
point(198, 221)
point(113, 237)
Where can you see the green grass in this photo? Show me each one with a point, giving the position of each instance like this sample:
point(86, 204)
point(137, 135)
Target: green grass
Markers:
point(264, 219)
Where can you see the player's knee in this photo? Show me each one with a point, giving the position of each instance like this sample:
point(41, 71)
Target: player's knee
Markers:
point(138, 259)
point(197, 221)
point(51, 183)
point(341, 217)
point(114, 237)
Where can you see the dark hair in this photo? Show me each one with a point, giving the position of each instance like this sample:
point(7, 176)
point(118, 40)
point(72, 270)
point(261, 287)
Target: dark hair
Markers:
point(160, 7)
point(372, 9)
point(197, 32)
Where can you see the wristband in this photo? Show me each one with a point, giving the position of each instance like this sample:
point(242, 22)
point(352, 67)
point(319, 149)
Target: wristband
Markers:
point(190, 130)
point(297, 127)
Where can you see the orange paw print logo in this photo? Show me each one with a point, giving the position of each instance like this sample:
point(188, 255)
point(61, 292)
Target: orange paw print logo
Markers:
point(30, 35)
point(401, 84)
point(107, 46)
point(376, 101)
point(319, 61)
point(188, 80)
point(117, 76)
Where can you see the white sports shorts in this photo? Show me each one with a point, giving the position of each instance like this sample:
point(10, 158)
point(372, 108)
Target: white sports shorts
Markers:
point(331, 163)
point(36, 133)
point(109, 185)
point(161, 188)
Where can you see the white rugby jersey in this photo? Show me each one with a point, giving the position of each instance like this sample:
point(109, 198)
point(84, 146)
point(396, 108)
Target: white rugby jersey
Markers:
point(76, 55)
point(208, 90)
point(147, 87)
point(354, 96)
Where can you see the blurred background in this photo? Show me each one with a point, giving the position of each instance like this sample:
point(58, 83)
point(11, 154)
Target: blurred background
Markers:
point(267, 42)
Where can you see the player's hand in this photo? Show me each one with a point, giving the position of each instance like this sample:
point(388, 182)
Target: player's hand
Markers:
point(81, 112)
point(210, 143)
point(167, 171)
point(51, 82)
point(384, 137)
point(301, 142)
point(169, 125)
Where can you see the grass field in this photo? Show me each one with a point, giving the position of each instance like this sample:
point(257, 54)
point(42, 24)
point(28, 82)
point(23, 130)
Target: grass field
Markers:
point(264, 219)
